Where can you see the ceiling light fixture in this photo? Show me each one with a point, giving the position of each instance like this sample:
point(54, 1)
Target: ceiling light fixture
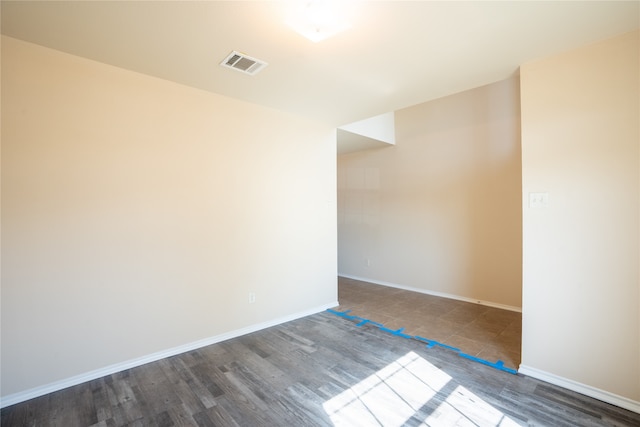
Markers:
point(318, 20)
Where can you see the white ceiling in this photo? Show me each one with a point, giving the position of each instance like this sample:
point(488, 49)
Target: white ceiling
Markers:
point(396, 54)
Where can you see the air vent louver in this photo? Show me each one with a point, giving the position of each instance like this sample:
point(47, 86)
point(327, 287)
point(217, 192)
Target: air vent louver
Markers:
point(243, 63)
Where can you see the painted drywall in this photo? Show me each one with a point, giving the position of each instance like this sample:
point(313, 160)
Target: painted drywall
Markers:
point(138, 215)
point(374, 132)
point(580, 144)
point(381, 127)
point(440, 211)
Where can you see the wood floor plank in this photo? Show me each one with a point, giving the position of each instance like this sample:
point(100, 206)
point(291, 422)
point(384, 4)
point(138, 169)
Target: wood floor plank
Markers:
point(216, 416)
point(321, 370)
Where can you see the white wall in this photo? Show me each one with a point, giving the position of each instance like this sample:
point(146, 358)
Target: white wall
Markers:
point(138, 214)
point(374, 132)
point(381, 127)
point(580, 143)
point(440, 212)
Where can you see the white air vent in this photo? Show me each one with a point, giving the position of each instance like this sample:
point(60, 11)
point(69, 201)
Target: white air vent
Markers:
point(243, 63)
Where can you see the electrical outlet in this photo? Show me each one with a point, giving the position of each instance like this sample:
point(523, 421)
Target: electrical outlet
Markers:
point(538, 200)
point(252, 297)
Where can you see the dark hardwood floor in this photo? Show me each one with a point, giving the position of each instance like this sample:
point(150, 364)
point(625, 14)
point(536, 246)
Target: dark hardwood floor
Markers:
point(321, 370)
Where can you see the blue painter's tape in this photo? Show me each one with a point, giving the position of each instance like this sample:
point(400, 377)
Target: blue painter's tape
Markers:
point(339, 313)
point(433, 343)
point(430, 343)
point(498, 365)
point(361, 320)
point(344, 314)
point(365, 321)
point(396, 332)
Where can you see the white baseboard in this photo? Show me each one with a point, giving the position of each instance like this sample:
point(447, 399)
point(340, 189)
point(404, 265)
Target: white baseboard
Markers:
point(435, 294)
point(587, 390)
point(12, 399)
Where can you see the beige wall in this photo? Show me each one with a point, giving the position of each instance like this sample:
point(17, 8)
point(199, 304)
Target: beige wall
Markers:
point(138, 214)
point(580, 143)
point(440, 212)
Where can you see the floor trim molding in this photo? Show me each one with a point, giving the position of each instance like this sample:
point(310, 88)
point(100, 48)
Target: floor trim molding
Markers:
point(435, 294)
point(596, 393)
point(22, 396)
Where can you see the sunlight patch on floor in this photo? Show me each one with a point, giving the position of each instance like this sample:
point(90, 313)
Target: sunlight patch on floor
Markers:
point(463, 408)
point(397, 392)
